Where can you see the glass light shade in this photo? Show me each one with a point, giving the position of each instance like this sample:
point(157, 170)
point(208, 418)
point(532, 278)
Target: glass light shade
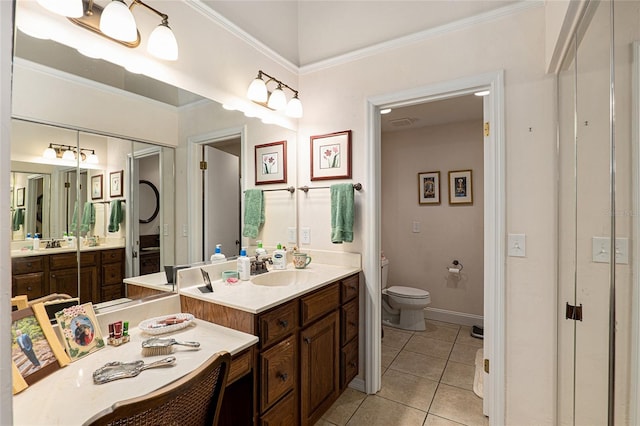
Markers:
point(68, 155)
point(163, 44)
point(69, 8)
point(277, 100)
point(294, 108)
point(118, 22)
point(92, 158)
point(49, 153)
point(257, 91)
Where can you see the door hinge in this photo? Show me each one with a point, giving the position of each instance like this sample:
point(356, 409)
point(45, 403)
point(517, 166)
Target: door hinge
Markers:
point(67, 184)
point(574, 312)
point(203, 165)
point(486, 366)
point(486, 128)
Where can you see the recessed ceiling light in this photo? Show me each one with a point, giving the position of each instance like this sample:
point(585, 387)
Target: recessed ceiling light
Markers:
point(385, 111)
point(482, 93)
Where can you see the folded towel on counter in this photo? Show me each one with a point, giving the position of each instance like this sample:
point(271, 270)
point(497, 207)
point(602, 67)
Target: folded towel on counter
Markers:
point(88, 217)
point(115, 217)
point(342, 213)
point(253, 212)
point(17, 220)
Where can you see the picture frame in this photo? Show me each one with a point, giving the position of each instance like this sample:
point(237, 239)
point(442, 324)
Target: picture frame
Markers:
point(80, 330)
point(331, 156)
point(116, 184)
point(271, 163)
point(96, 187)
point(429, 187)
point(20, 197)
point(36, 351)
point(460, 187)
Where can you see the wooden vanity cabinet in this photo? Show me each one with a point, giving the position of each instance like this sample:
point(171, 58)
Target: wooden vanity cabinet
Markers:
point(63, 274)
point(349, 329)
point(29, 276)
point(112, 274)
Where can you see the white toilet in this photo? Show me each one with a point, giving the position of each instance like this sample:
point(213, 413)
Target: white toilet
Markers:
point(402, 307)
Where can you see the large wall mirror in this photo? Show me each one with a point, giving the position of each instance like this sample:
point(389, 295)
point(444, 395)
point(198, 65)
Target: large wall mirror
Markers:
point(141, 130)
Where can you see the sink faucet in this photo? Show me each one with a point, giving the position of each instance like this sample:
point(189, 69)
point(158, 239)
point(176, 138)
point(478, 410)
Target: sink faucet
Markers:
point(259, 265)
point(53, 244)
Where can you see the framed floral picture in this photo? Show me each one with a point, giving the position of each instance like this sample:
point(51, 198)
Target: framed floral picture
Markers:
point(96, 187)
point(429, 188)
point(80, 330)
point(115, 184)
point(35, 349)
point(271, 163)
point(331, 156)
point(460, 187)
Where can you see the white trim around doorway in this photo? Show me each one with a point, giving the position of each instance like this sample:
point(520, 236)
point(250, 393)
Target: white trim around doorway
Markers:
point(494, 227)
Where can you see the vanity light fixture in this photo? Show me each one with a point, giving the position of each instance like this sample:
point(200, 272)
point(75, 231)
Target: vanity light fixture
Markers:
point(277, 100)
point(116, 22)
point(68, 152)
point(385, 111)
point(68, 8)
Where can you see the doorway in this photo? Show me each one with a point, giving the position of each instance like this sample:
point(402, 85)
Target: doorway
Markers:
point(494, 229)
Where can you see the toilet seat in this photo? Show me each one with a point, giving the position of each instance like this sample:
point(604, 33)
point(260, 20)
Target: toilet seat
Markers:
point(408, 292)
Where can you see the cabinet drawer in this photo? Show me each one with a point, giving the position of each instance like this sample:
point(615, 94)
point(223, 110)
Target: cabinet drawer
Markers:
point(63, 261)
point(111, 274)
point(240, 365)
point(277, 323)
point(30, 285)
point(283, 413)
point(348, 363)
point(349, 288)
point(278, 368)
point(348, 322)
point(111, 292)
point(111, 256)
point(27, 265)
point(89, 258)
point(319, 303)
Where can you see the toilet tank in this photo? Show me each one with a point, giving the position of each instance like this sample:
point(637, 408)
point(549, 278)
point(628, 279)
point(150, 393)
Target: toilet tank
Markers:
point(385, 271)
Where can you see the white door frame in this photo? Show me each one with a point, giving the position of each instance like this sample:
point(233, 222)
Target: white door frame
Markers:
point(194, 183)
point(494, 228)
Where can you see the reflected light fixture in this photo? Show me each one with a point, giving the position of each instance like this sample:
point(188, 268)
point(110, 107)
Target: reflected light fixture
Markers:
point(116, 22)
point(68, 8)
point(482, 93)
point(276, 100)
point(68, 152)
point(385, 111)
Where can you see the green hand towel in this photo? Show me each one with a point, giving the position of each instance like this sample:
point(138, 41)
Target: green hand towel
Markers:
point(253, 212)
point(116, 215)
point(342, 213)
point(74, 219)
point(18, 219)
point(88, 217)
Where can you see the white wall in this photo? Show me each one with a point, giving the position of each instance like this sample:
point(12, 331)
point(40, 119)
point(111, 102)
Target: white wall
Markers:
point(335, 100)
point(447, 232)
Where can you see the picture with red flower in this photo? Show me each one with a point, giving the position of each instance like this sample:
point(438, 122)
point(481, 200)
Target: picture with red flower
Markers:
point(331, 156)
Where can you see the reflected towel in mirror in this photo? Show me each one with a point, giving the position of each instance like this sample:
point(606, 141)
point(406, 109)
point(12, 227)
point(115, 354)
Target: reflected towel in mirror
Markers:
point(253, 212)
point(18, 219)
point(116, 215)
point(88, 217)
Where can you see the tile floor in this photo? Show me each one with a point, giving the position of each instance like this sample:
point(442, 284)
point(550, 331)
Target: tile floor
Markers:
point(427, 379)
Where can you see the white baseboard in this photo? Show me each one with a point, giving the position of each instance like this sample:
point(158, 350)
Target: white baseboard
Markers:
point(453, 317)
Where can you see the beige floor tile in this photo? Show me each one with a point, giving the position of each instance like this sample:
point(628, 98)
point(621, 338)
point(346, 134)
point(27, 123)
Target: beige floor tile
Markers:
point(439, 421)
point(458, 405)
point(465, 354)
point(346, 405)
point(377, 411)
point(444, 324)
point(388, 355)
point(440, 330)
point(407, 389)
point(419, 365)
point(323, 422)
point(395, 338)
point(466, 338)
point(427, 346)
point(459, 375)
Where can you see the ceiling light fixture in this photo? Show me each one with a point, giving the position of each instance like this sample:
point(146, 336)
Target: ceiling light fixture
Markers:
point(385, 111)
point(116, 22)
point(68, 152)
point(482, 93)
point(277, 100)
point(68, 8)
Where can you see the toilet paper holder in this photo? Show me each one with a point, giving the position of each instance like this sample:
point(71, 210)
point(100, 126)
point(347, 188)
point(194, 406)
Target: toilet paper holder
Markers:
point(455, 267)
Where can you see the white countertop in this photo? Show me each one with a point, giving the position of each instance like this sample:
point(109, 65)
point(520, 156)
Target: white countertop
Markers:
point(156, 281)
point(69, 397)
point(249, 297)
point(57, 250)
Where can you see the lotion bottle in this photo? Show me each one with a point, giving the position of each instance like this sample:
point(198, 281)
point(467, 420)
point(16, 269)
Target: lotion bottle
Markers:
point(244, 265)
point(260, 251)
point(218, 257)
point(279, 258)
point(36, 242)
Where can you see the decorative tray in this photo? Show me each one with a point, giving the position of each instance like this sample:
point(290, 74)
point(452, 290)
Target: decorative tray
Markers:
point(166, 323)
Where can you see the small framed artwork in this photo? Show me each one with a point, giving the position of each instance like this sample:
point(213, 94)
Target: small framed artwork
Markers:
point(429, 188)
point(271, 163)
point(35, 349)
point(460, 187)
point(96, 187)
point(115, 184)
point(20, 197)
point(80, 330)
point(331, 156)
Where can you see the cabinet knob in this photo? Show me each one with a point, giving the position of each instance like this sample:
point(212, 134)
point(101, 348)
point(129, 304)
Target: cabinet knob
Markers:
point(353, 364)
point(353, 323)
point(29, 288)
point(282, 376)
point(283, 323)
point(307, 340)
point(29, 264)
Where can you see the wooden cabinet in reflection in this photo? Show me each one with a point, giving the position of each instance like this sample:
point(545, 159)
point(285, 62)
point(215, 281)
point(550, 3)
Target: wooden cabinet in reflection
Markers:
point(149, 254)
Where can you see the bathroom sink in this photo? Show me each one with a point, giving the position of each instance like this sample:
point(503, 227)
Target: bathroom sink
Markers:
point(280, 278)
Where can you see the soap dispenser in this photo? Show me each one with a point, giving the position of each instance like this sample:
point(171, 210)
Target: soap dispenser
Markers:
point(218, 257)
point(260, 251)
point(279, 258)
point(244, 265)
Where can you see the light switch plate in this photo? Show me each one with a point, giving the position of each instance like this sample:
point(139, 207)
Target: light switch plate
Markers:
point(601, 246)
point(291, 235)
point(306, 235)
point(517, 245)
point(166, 229)
point(416, 227)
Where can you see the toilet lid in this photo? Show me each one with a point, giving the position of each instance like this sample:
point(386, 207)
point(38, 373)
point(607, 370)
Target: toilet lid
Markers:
point(409, 292)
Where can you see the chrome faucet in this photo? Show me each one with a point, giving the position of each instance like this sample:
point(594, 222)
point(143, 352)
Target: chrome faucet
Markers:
point(259, 265)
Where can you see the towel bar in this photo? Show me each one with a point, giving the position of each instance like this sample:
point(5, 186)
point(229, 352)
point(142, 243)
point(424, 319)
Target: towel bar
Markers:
point(356, 186)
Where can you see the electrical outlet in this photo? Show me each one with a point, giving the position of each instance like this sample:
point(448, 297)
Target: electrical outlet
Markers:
point(291, 235)
point(306, 235)
point(185, 230)
point(166, 229)
point(416, 227)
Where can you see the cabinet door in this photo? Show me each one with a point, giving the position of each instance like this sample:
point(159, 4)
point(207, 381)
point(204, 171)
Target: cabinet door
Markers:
point(66, 281)
point(277, 371)
point(319, 367)
point(283, 414)
point(31, 285)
